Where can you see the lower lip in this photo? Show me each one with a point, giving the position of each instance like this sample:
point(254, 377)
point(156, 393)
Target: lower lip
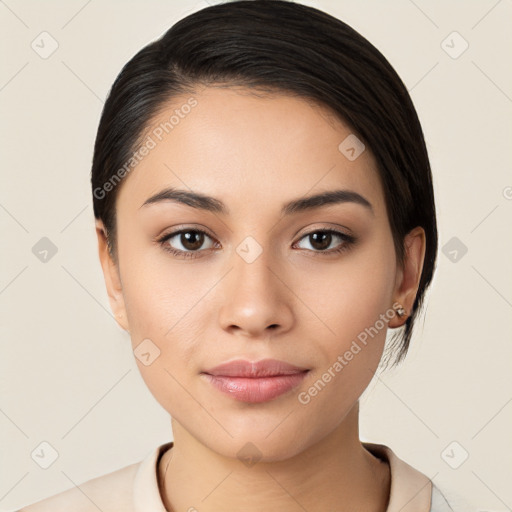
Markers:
point(255, 390)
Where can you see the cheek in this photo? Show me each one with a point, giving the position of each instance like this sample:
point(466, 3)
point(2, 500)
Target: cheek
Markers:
point(160, 296)
point(354, 301)
point(351, 294)
point(350, 351)
point(163, 323)
point(166, 310)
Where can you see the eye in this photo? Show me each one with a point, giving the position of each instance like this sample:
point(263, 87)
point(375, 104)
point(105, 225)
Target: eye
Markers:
point(321, 239)
point(191, 242)
point(185, 242)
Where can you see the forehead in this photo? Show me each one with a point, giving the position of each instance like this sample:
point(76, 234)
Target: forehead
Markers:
point(245, 148)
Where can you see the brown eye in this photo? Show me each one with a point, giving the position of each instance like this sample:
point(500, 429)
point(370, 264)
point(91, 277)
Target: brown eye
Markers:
point(321, 240)
point(191, 240)
point(186, 242)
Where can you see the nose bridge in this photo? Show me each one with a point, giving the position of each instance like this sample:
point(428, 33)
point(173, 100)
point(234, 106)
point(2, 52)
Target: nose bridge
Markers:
point(252, 265)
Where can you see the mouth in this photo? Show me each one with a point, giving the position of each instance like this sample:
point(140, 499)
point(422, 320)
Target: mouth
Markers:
point(255, 382)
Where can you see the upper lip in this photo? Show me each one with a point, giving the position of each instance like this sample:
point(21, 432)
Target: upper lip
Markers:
point(263, 368)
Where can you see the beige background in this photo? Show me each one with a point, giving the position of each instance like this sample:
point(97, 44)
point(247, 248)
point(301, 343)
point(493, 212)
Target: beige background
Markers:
point(68, 376)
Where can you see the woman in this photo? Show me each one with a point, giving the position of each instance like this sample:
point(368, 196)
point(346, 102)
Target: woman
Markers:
point(265, 214)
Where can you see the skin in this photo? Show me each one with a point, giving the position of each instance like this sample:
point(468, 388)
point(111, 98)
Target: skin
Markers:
point(254, 154)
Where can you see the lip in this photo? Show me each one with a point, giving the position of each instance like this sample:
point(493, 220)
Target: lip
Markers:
point(263, 368)
point(255, 382)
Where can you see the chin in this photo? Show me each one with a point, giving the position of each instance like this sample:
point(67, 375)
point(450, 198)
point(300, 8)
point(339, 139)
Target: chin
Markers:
point(256, 449)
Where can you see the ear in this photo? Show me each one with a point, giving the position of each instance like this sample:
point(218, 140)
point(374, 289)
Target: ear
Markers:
point(112, 278)
point(408, 277)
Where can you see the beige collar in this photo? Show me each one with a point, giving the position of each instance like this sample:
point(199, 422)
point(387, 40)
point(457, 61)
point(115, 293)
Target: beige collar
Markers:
point(411, 491)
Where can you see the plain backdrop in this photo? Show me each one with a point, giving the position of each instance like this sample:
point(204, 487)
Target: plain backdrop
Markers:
point(68, 375)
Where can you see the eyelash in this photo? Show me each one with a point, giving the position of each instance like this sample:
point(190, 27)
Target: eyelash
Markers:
point(348, 241)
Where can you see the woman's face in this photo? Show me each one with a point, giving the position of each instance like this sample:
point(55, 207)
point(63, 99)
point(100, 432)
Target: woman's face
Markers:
point(261, 282)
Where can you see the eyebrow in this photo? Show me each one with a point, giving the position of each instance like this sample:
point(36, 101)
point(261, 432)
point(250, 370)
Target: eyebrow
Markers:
point(211, 204)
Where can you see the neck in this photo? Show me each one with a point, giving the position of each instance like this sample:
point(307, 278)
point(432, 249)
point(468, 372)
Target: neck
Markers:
point(335, 473)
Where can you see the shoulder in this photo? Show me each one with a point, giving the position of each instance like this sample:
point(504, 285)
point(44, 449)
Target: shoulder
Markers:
point(449, 500)
point(439, 502)
point(109, 493)
point(412, 490)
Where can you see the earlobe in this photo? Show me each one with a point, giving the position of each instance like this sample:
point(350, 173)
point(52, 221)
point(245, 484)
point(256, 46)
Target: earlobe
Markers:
point(111, 277)
point(408, 277)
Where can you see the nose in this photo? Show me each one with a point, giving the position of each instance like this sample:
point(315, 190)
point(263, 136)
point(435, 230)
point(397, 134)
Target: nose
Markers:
point(256, 302)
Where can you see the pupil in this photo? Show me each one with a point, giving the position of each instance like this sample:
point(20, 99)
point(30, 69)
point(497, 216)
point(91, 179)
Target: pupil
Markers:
point(324, 237)
point(192, 240)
